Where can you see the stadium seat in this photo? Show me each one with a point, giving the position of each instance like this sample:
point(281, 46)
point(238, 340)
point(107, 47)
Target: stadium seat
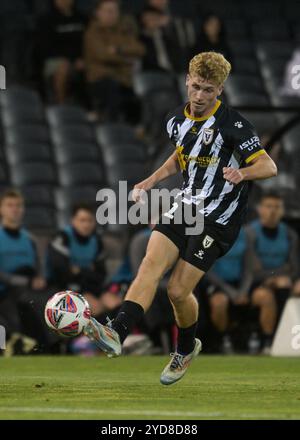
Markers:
point(272, 50)
point(17, 95)
point(236, 28)
point(241, 47)
point(114, 134)
point(16, 114)
point(66, 197)
point(40, 219)
point(27, 134)
point(37, 173)
point(256, 99)
point(84, 173)
point(255, 11)
point(58, 115)
point(277, 30)
point(132, 172)
point(28, 152)
point(3, 175)
point(145, 83)
point(76, 152)
point(246, 65)
point(75, 133)
point(123, 153)
point(38, 195)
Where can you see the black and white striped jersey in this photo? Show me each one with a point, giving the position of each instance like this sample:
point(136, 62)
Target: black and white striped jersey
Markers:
point(204, 146)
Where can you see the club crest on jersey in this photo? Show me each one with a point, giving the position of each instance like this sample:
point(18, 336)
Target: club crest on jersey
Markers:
point(207, 241)
point(208, 135)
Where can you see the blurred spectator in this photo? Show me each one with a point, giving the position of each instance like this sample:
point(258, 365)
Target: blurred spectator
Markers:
point(178, 29)
point(275, 263)
point(212, 37)
point(110, 51)
point(229, 283)
point(163, 51)
point(60, 38)
point(22, 295)
point(76, 258)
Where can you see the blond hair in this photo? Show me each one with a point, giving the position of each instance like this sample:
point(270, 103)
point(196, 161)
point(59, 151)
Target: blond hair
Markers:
point(211, 66)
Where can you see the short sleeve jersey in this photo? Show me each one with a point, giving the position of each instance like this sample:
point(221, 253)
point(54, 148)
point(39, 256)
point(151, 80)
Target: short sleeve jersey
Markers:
point(224, 138)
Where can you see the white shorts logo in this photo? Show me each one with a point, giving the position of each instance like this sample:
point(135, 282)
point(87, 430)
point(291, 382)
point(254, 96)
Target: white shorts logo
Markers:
point(207, 241)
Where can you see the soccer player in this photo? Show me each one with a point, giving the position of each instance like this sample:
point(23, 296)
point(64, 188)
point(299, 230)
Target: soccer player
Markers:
point(218, 153)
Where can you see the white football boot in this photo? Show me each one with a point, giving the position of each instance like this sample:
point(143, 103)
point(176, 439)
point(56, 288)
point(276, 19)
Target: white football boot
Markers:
point(178, 365)
point(104, 336)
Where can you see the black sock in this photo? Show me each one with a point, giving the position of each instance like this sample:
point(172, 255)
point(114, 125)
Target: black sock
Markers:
point(186, 339)
point(130, 314)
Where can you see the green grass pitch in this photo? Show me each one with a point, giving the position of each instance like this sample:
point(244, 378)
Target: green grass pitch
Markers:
point(215, 387)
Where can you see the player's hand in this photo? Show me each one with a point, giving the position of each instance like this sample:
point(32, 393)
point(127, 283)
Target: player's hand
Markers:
point(233, 175)
point(139, 191)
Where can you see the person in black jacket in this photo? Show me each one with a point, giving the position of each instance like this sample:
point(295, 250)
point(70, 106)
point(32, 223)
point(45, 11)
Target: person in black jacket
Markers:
point(76, 258)
point(60, 39)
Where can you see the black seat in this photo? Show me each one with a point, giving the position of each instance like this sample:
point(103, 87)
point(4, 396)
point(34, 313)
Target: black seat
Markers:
point(76, 152)
point(277, 30)
point(27, 134)
point(3, 175)
point(132, 172)
point(28, 152)
point(124, 153)
point(66, 115)
point(236, 28)
point(38, 195)
point(37, 173)
point(15, 115)
point(40, 218)
point(145, 83)
point(66, 197)
point(84, 173)
point(111, 133)
point(75, 133)
point(20, 96)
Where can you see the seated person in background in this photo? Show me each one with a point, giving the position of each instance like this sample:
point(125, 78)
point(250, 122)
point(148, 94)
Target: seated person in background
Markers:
point(229, 283)
point(178, 29)
point(110, 52)
point(163, 51)
point(60, 36)
point(212, 37)
point(275, 263)
point(76, 258)
point(20, 282)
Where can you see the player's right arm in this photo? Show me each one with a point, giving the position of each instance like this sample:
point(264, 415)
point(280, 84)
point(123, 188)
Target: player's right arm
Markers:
point(169, 168)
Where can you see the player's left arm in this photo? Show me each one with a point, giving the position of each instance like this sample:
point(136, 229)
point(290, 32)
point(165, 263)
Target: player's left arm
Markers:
point(246, 144)
point(261, 167)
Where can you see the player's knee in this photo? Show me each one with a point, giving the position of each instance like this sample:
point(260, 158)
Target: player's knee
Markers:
point(219, 301)
point(151, 265)
point(262, 297)
point(176, 292)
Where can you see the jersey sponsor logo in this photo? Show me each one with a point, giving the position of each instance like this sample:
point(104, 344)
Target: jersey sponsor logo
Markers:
point(238, 124)
point(194, 130)
point(250, 144)
point(207, 241)
point(208, 134)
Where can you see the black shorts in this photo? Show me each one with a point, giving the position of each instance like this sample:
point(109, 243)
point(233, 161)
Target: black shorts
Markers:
point(200, 250)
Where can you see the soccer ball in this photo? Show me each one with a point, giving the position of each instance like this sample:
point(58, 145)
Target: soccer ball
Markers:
point(67, 313)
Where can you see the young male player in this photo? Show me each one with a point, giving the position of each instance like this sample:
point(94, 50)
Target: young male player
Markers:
point(218, 152)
